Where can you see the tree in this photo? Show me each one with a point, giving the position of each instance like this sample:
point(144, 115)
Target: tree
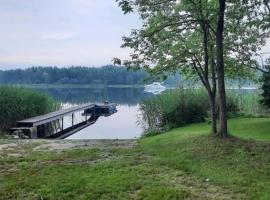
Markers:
point(72, 75)
point(223, 131)
point(184, 36)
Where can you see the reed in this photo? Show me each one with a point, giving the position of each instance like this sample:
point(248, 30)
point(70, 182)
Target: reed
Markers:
point(175, 108)
point(19, 103)
point(248, 104)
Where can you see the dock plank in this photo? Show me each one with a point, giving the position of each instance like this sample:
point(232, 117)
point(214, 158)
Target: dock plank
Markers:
point(35, 121)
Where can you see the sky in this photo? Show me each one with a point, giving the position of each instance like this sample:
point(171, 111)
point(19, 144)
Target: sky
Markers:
point(62, 32)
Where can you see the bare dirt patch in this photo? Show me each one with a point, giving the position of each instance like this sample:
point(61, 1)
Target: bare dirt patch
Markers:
point(18, 148)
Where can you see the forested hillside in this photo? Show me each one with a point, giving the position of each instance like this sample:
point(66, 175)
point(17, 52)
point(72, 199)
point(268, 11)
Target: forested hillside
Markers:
point(109, 74)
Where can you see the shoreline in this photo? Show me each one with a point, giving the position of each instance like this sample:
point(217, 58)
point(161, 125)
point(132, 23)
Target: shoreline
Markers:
point(9, 146)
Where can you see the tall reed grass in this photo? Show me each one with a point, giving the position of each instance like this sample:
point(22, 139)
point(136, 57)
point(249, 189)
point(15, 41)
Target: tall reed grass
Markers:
point(19, 103)
point(173, 108)
point(178, 107)
point(247, 104)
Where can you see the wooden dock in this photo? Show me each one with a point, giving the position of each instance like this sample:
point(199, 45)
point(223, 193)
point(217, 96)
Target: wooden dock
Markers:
point(51, 125)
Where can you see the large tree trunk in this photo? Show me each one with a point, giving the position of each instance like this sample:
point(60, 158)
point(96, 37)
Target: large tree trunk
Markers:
point(223, 130)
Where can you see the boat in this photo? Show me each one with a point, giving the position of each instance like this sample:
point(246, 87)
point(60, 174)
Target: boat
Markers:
point(155, 88)
point(106, 109)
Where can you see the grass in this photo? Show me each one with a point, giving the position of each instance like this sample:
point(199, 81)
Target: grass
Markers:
point(185, 163)
point(241, 164)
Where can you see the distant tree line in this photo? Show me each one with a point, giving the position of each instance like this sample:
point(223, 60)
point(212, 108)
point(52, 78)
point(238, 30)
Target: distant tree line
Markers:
point(109, 74)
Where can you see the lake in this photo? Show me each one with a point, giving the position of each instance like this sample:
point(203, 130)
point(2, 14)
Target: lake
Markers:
point(121, 125)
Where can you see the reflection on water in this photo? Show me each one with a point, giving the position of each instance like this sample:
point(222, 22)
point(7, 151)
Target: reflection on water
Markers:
point(123, 96)
point(121, 125)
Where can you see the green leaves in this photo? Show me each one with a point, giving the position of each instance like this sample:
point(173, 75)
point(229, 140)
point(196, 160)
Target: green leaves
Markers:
point(125, 5)
point(171, 37)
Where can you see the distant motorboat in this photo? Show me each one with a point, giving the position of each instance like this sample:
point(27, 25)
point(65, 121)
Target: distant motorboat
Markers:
point(155, 88)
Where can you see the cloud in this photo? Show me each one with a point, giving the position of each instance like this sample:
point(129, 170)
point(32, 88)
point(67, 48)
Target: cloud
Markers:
point(62, 32)
point(62, 35)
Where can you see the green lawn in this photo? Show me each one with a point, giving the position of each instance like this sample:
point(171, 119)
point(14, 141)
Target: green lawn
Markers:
point(185, 163)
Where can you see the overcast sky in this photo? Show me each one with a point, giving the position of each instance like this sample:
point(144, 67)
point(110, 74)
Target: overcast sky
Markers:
point(62, 32)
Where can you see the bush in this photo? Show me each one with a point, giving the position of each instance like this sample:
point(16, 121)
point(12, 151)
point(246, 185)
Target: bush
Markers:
point(173, 108)
point(19, 103)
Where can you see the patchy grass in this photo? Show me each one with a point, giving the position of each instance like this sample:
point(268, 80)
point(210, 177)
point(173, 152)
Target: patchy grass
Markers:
point(251, 128)
point(185, 163)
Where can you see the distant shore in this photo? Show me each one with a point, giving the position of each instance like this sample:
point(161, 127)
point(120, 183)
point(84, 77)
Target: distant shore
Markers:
point(46, 86)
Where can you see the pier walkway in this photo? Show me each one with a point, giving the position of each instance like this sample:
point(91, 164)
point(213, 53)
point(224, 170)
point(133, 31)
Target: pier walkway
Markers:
point(51, 125)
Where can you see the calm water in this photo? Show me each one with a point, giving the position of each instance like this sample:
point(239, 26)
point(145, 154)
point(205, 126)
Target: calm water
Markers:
point(121, 125)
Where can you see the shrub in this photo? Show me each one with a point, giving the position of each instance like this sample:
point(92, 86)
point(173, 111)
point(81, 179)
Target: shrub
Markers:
point(173, 108)
point(19, 103)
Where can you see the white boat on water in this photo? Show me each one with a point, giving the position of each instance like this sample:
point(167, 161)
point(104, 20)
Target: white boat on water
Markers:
point(155, 88)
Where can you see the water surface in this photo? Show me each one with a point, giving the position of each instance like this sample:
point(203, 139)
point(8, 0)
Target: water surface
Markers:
point(121, 125)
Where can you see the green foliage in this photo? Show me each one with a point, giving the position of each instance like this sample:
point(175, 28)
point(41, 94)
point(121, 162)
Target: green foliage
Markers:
point(110, 75)
point(245, 104)
point(180, 35)
point(176, 108)
point(197, 38)
point(173, 108)
point(19, 103)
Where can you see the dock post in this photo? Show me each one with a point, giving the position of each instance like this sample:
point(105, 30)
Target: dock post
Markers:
point(72, 120)
point(62, 124)
point(95, 113)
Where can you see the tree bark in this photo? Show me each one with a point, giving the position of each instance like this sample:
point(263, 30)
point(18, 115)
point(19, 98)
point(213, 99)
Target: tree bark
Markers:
point(223, 130)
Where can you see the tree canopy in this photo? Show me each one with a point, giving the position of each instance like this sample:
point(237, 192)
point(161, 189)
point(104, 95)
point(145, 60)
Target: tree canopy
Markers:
point(73, 75)
point(203, 39)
